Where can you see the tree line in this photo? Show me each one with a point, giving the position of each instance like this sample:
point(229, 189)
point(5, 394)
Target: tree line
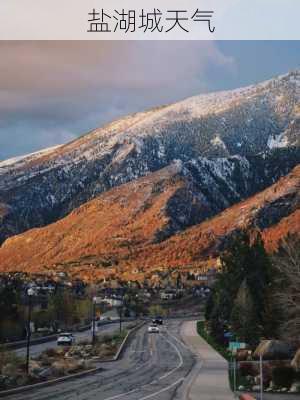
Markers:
point(256, 295)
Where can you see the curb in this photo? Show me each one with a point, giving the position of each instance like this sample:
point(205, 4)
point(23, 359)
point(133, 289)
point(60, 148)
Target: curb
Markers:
point(124, 343)
point(27, 388)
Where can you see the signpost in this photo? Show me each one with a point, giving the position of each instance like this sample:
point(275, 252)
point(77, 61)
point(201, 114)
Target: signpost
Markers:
point(234, 375)
point(234, 347)
point(261, 376)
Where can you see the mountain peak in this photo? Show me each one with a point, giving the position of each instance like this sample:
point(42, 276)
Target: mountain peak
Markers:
point(247, 122)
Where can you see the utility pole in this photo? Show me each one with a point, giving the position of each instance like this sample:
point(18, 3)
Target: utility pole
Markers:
point(94, 322)
point(136, 305)
point(30, 293)
point(120, 309)
point(234, 375)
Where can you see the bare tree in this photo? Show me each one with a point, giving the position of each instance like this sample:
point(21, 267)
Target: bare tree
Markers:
point(287, 297)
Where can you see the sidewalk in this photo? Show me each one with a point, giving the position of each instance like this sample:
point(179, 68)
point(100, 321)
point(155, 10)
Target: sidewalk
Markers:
point(210, 380)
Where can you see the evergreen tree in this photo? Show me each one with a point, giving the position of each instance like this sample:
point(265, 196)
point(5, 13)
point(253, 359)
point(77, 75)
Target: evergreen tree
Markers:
point(286, 296)
point(63, 307)
point(245, 262)
point(243, 316)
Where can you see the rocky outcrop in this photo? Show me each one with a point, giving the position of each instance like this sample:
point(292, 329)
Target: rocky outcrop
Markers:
point(273, 350)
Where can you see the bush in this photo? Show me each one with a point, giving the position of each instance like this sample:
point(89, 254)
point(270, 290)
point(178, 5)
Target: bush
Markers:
point(283, 377)
point(8, 357)
point(51, 352)
point(10, 329)
point(248, 368)
point(211, 341)
point(105, 338)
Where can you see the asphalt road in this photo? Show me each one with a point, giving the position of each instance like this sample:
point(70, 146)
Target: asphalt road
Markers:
point(171, 365)
point(103, 329)
point(153, 366)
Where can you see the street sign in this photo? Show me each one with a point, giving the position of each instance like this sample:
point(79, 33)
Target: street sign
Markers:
point(234, 346)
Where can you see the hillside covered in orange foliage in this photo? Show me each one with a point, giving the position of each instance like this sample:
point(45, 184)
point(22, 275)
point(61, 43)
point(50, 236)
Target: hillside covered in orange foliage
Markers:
point(125, 232)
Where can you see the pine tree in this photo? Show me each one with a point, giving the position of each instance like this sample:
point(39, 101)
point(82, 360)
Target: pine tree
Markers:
point(243, 317)
point(245, 262)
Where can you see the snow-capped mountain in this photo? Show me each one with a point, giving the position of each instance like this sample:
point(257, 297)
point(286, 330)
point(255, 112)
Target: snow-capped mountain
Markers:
point(257, 126)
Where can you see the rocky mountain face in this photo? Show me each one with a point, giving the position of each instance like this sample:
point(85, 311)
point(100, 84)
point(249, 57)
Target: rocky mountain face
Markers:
point(119, 233)
point(255, 129)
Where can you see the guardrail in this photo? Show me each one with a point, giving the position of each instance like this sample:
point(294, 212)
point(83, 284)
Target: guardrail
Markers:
point(181, 317)
point(27, 388)
point(52, 338)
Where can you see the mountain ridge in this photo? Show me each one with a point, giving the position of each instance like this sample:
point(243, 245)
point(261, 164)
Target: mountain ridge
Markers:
point(258, 124)
point(116, 233)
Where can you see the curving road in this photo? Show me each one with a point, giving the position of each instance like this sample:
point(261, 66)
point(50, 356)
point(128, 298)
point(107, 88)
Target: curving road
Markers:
point(154, 366)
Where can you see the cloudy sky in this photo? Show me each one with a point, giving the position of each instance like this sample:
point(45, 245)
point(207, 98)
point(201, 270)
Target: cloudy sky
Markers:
point(52, 92)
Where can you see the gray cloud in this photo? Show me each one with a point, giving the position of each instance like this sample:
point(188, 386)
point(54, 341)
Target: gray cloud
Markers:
point(50, 92)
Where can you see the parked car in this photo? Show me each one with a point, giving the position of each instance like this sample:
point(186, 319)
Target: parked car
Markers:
point(153, 329)
point(65, 339)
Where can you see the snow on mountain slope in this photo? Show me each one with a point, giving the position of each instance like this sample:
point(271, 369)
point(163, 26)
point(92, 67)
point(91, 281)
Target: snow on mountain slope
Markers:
point(118, 232)
point(21, 161)
point(40, 189)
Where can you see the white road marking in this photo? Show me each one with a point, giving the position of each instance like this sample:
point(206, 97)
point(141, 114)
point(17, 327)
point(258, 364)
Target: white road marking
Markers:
point(162, 390)
point(179, 341)
point(161, 377)
point(121, 394)
point(138, 351)
point(180, 358)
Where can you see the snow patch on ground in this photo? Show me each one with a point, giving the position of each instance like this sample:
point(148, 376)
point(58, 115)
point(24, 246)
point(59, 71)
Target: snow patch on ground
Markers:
point(277, 141)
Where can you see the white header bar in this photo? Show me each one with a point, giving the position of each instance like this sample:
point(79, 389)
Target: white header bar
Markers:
point(149, 20)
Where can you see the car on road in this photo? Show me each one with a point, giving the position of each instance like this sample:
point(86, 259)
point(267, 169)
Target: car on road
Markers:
point(153, 328)
point(65, 339)
point(157, 321)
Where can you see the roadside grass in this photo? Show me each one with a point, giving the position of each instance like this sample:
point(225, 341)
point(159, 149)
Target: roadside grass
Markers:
point(115, 338)
point(240, 379)
point(212, 342)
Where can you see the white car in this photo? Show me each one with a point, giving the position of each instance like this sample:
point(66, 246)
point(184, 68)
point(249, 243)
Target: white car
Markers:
point(153, 329)
point(65, 339)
